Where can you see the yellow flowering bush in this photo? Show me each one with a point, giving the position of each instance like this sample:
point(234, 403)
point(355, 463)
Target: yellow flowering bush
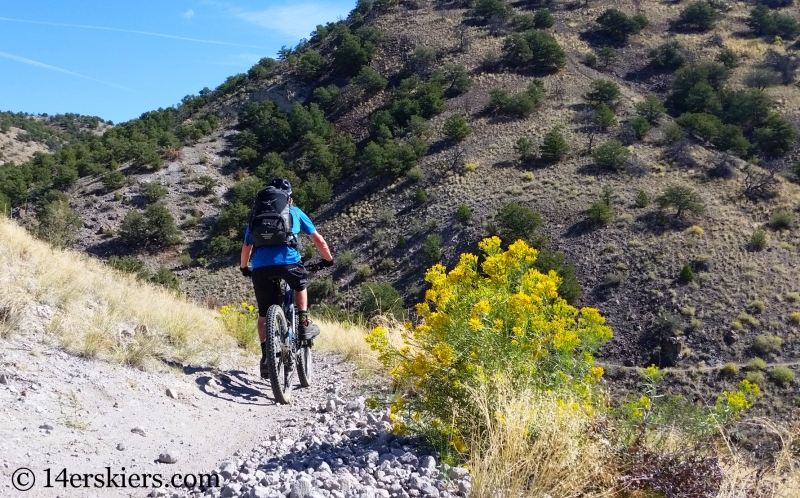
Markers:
point(240, 323)
point(501, 320)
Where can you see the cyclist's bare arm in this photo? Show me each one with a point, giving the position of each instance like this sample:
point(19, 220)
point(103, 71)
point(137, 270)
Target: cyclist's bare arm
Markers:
point(244, 260)
point(319, 243)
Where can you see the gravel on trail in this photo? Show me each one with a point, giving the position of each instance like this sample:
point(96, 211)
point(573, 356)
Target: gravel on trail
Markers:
point(346, 450)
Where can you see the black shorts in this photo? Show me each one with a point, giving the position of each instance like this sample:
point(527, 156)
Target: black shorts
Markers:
point(268, 291)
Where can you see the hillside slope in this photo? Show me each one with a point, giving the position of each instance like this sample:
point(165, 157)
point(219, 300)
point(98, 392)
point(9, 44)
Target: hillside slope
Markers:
point(388, 221)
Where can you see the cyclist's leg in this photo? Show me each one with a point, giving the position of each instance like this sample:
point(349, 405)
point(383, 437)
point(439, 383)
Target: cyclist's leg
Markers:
point(296, 276)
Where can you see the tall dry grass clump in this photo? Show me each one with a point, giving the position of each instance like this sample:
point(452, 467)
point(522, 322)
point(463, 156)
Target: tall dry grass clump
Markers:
point(535, 444)
point(94, 311)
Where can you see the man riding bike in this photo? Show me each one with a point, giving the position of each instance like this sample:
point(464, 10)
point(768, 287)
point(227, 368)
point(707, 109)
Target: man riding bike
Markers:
point(272, 238)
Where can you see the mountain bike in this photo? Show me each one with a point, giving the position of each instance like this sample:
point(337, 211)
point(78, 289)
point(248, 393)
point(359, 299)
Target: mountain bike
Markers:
point(287, 355)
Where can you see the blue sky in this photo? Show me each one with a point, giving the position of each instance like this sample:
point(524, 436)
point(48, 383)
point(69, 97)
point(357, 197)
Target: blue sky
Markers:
point(149, 54)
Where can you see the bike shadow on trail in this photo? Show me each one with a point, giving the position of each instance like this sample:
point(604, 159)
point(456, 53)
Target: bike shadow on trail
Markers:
point(234, 386)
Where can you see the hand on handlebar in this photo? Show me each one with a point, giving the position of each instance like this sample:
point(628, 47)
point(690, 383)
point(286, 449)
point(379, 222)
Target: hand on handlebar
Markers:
point(246, 271)
point(319, 265)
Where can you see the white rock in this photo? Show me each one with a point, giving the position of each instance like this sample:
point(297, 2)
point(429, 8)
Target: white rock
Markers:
point(120, 447)
point(300, 488)
point(46, 427)
point(171, 393)
point(139, 431)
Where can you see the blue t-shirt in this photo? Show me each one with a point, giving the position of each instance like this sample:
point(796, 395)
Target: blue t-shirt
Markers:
point(281, 255)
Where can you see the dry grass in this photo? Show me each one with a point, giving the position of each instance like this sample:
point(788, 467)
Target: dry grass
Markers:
point(348, 340)
point(782, 480)
point(90, 304)
point(536, 445)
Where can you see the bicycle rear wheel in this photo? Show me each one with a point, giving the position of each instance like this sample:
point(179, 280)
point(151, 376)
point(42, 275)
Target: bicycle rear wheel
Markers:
point(280, 356)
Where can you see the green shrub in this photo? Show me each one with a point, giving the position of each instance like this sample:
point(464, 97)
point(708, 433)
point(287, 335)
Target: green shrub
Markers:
point(128, 264)
point(687, 275)
point(420, 197)
point(352, 54)
point(221, 246)
point(619, 26)
point(554, 146)
point(463, 214)
point(543, 19)
point(345, 260)
point(781, 375)
point(673, 133)
point(432, 247)
point(326, 96)
point(369, 80)
point(683, 199)
point(320, 289)
point(381, 298)
point(390, 157)
point(207, 184)
point(756, 364)
point(642, 200)
point(758, 241)
point(310, 65)
point(729, 370)
point(756, 307)
point(599, 213)
point(651, 109)
point(487, 9)
point(762, 78)
point(667, 56)
point(422, 60)
point(607, 56)
point(456, 128)
point(611, 155)
point(767, 344)
point(534, 50)
point(728, 58)
point(776, 136)
point(590, 59)
point(114, 179)
point(520, 104)
point(523, 149)
point(697, 16)
point(155, 227)
point(604, 92)
point(640, 126)
point(152, 191)
point(604, 117)
point(766, 22)
point(756, 378)
point(516, 222)
point(454, 79)
point(166, 278)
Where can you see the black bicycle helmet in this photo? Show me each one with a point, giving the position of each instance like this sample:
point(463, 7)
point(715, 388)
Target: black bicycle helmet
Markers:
point(281, 184)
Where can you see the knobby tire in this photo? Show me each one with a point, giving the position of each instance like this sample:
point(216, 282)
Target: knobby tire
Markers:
point(280, 379)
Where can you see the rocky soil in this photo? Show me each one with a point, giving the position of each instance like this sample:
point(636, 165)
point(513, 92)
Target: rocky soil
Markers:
point(347, 450)
point(64, 412)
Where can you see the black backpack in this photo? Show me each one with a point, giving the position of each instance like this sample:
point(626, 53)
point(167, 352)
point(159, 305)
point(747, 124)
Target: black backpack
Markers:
point(271, 219)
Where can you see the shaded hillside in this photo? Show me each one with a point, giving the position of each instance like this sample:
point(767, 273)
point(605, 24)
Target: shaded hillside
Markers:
point(380, 159)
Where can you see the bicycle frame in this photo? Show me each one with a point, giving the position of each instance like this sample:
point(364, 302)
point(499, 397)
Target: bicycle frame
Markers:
point(290, 311)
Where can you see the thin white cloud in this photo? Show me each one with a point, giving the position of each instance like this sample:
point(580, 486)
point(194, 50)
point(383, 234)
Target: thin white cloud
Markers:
point(189, 14)
point(130, 31)
point(296, 20)
point(53, 68)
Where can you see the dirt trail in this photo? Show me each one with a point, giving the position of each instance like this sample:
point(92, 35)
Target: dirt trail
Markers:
point(59, 411)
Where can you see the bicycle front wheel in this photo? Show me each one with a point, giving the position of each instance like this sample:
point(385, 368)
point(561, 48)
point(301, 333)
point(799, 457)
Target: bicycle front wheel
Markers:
point(304, 366)
point(280, 357)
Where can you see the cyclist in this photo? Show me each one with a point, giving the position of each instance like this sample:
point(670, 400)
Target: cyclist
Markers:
point(272, 239)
